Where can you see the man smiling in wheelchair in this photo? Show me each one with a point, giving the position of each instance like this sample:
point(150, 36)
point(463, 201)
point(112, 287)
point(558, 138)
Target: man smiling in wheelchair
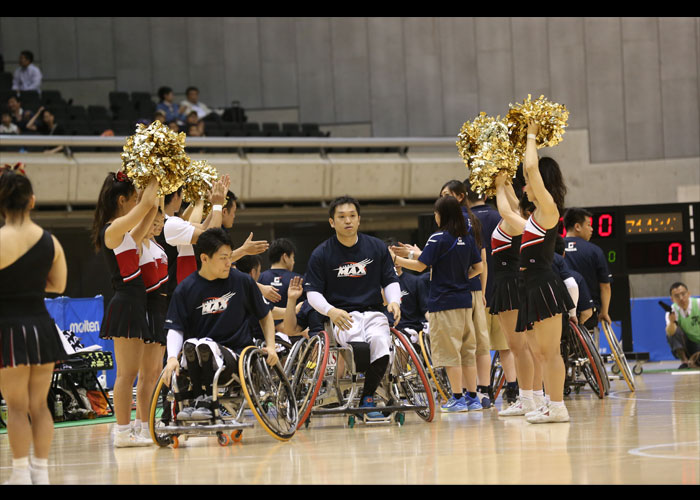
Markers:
point(209, 320)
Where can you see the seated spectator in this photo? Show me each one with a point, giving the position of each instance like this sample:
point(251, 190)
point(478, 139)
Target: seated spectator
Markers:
point(6, 125)
point(20, 116)
point(46, 126)
point(160, 116)
point(193, 119)
point(167, 106)
point(192, 103)
point(194, 131)
point(683, 324)
point(173, 125)
point(27, 76)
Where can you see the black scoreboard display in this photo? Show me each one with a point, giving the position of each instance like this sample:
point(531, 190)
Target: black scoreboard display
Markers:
point(642, 239)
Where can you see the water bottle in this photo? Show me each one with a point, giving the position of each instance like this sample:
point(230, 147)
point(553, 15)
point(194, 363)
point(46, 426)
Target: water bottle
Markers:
point(58, 409)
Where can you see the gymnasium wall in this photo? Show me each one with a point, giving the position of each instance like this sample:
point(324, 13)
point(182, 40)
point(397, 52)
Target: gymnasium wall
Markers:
point(631, 82)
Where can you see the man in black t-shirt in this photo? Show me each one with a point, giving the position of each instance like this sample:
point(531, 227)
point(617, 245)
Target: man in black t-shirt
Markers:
point(209, 319)
point(345, 277)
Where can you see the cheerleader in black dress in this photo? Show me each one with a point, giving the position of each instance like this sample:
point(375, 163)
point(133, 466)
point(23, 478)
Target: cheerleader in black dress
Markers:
point(31, 263)
point(543, 296)
point(121, 222)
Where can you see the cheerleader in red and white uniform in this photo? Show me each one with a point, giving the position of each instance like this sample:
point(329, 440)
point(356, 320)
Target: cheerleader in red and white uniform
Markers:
point(121, 220)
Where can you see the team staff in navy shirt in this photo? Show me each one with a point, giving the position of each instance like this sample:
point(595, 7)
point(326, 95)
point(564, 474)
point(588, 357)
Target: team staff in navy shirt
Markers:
point(345, 277)
point(454, 259)
point(209, 319)
point(589, 260)
point(281, 272)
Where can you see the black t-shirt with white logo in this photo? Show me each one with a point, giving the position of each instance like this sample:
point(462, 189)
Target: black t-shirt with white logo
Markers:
point(221, 309)
point(414, 301)
point(351, 278)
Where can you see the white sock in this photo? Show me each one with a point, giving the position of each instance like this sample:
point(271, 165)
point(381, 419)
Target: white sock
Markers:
point(525, 394)
point(137, 425)
point(546, 399)
point(20, 471)
point(39, 470)
point(557, 404)
point(123, 428)
point(539, 394)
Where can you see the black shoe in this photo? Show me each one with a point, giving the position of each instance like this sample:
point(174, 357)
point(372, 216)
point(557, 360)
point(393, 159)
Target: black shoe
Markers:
point(683, 365)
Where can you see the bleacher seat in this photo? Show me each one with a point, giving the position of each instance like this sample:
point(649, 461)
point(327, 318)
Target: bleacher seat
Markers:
point(30, 99)
point(5, 81)
point(50, 98)
point(77, 113)
point(97, 113)
point(252, 129)
point(5, 95)
point(232, 129)
point(271, 129)
point(291, 130)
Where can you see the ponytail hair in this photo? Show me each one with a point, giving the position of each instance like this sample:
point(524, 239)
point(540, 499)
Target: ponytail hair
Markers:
point(459, 188)
point(451, 218)
point(15, 190)
point(114, 186)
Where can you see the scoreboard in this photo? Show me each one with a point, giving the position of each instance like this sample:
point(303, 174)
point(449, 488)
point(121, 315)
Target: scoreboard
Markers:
point(643, 239)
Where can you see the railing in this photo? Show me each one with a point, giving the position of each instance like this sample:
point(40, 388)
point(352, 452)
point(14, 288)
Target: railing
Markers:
point(238, 142)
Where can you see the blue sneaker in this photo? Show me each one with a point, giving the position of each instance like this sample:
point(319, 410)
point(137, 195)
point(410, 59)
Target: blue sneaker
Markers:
point(368, 402)
point(472, 403)
point(455, 405)
point(484, 399)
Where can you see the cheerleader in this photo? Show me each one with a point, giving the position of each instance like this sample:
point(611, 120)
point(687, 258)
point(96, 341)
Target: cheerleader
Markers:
point(32, 263)
point(505, 302)
point(153, 263)
point(121, 220)
point(543, 297)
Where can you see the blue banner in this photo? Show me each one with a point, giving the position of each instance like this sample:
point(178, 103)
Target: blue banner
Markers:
point(83, 317)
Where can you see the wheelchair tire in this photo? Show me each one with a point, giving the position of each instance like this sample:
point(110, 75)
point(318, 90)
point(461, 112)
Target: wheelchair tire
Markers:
point(598, 358)
point(437, 375)
point(590, 369)
point(497, 377)
point(160, 403)
point(618, 355)
point(316, 353)
point(269, 394)
point(417, 383)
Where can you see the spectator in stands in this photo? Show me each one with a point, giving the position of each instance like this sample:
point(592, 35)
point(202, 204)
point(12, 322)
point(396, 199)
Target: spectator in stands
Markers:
point(160, 116)
point(683, 324)
point(20, 116)
point(193, 119)
point(192, 103)
point(27, 76)
point(168, 106)
point(46, 126)
point(174, 126)
point(194, 131)
point(6, 125)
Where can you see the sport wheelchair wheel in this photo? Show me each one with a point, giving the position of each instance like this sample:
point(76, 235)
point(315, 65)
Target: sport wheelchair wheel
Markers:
point(269, 394)
point(589, 364)
point(437, 375)
point(411, 379)
point(162, 412)
point(306, 369)
point(497, 375)
point(619, 355)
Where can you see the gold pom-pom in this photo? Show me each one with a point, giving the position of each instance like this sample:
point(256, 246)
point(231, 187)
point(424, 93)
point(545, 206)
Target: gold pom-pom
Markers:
point(199, 180)
point(156, 151)
point(485, 147)
point(551, 117)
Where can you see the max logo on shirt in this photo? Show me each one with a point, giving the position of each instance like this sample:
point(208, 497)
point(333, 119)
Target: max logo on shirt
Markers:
point(216, 305)
point(353, 269)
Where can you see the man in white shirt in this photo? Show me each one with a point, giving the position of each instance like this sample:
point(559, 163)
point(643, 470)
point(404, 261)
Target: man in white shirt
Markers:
point(192, 103)
point(27, 76)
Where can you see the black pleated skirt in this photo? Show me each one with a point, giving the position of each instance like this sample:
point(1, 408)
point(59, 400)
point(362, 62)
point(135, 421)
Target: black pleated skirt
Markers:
point(542, 295)
point(29, 340)
point(125, 317)
point(156, 310)
point(506, 294)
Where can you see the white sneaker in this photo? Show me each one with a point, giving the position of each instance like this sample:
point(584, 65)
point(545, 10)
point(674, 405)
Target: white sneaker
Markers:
point(540, 401)
point(126, 439)
point(540, 409)
point(550, 415)
point(519, 408)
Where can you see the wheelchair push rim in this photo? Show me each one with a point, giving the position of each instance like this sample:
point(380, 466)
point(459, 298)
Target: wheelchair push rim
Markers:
point(424, 346)
point(591, 370)
point(321, 343)
point(407, 385)
point(271, 400)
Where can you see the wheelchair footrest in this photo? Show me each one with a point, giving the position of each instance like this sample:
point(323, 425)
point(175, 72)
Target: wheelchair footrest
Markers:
point(361, 411)
point(201, 428)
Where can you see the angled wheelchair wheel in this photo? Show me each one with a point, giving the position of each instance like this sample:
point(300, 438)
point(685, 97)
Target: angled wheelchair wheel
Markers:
point(412, 380)
point(619, 355)
point(306, 373)
point(437, 375)
point(587, 361)
point(162, 412)
point(600, 363)
point(497, 375)
point(269, 394)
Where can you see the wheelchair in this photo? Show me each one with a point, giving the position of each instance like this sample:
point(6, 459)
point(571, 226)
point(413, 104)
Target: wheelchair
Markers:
point(323, 386)
point(620, 366)
point(255, 386)
point(582, 361)
point(438, 376)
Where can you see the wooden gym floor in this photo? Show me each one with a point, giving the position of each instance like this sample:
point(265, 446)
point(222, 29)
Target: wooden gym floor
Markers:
point(648, 437)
